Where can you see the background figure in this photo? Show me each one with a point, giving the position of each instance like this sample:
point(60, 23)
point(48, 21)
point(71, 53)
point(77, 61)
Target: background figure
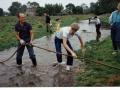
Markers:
point(57, 25)
point(89, 19)
point(114, 21)
point(48, 22)
point(24, 34)
point(62, 37)
point(97, 25)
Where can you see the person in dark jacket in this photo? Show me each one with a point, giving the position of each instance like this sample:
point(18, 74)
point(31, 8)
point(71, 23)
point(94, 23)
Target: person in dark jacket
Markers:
point(48, 22)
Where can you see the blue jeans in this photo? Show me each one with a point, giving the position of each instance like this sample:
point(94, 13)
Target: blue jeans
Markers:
point(58, 43)
point(115, 35)
point(21, 51)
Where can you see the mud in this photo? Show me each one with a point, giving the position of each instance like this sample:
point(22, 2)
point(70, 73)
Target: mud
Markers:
point(45, 74)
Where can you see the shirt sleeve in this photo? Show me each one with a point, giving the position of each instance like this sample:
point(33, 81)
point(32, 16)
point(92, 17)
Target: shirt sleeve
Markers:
point(65, 34)
point(77, 33)
point(30, 26)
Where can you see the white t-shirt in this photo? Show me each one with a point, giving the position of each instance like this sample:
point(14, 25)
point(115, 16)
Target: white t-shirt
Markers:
point(65, 32)
point(98, 21)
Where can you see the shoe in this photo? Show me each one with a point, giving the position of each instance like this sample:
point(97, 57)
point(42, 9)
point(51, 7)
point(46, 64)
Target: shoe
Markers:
point(114, 53)
point(62, 63)
point(50, 31)
point(68, 68)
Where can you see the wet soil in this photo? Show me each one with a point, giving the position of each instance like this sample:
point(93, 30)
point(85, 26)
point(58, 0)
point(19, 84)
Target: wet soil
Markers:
point(45, 74)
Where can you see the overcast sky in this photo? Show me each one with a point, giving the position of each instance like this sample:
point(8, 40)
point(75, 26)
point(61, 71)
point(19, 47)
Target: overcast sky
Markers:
point(5, 4)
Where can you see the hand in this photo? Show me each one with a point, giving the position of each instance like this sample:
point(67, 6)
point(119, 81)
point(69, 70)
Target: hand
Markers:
point(31, 43)
point(22, 42)
point(50, 24)
point(74, 55)
point(83, 52)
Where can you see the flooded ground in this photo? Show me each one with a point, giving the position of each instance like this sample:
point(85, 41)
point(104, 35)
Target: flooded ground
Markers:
point(45, 74)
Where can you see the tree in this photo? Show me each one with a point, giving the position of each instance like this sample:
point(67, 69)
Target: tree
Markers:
point(40, 11)
point(71, 8)
point(85, 8)
point(50, 9)
point(15, 8)
point(23, 8)
point(1, 12)
point(32, 4)
point(79, 10)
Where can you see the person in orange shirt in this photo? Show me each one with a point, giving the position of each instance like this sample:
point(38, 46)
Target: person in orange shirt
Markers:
point(57, 25)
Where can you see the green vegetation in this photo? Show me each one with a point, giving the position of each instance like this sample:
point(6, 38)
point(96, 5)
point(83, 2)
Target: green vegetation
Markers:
point(95, 74)
point(8, 39)
point(99, 75)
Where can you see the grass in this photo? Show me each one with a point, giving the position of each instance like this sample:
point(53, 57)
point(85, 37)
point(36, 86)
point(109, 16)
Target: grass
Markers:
point(99, 75)
point(8, 39)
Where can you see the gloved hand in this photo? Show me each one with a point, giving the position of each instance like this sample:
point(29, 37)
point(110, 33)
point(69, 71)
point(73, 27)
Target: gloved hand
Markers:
point(22, 42)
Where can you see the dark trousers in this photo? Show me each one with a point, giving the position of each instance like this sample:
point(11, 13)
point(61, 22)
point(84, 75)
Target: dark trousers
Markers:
point(58, 43)
point(98, 29)
point(115, 35)
point(21, 51)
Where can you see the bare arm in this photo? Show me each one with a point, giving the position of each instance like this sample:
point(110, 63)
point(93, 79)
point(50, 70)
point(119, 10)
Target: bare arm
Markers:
point(82, 45)
point(67, 47)
point(17, 35)
point(31, 35)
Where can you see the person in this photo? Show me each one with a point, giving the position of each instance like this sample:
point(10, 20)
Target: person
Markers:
point(57, 25)
point(114, 21)
point(48, 22)
point(89, 19)
point(24, 34)
point(62, 37)
point(97, 25)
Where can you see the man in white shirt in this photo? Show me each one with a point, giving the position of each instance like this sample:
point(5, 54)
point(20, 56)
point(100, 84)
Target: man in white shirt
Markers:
point(62, 37)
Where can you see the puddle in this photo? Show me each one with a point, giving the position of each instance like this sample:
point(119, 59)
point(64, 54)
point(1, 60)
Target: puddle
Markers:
point(45, 75)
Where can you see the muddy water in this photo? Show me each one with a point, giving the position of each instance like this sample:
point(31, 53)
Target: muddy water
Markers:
point(45, 74)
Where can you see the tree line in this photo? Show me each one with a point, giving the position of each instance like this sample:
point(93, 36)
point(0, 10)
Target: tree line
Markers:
point(97, 8)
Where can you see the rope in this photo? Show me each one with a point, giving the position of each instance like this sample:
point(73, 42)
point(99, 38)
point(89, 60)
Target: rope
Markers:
point(79, 58)
point(64, 55)
point(12, 55)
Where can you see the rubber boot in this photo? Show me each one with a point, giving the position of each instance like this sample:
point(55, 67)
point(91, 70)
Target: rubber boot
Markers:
point(19, 61)
point(34, 61)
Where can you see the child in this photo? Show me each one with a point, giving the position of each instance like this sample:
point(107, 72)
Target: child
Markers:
point(62, 36)
point(57, 25)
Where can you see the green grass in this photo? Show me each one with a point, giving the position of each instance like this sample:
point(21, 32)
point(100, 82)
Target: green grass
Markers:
point(99, 75)
point(8, 39)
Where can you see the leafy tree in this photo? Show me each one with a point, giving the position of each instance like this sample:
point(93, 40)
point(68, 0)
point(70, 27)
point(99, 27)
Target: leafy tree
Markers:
point(40, 11)
point(32, 4)
point(15, 8)
point(1, 12)
point(85, 8)
point(50, 9)
point(23, 8)
point(71, 8)
point(79, 10)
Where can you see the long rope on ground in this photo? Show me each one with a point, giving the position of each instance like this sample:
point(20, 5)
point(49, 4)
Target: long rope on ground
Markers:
point(11, 55)
point(79, 58)
point(64, 55)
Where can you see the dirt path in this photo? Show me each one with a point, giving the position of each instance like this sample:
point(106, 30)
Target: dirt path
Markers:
point(44, 75)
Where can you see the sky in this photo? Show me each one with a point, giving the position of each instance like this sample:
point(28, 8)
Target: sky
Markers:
point(5, 4)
